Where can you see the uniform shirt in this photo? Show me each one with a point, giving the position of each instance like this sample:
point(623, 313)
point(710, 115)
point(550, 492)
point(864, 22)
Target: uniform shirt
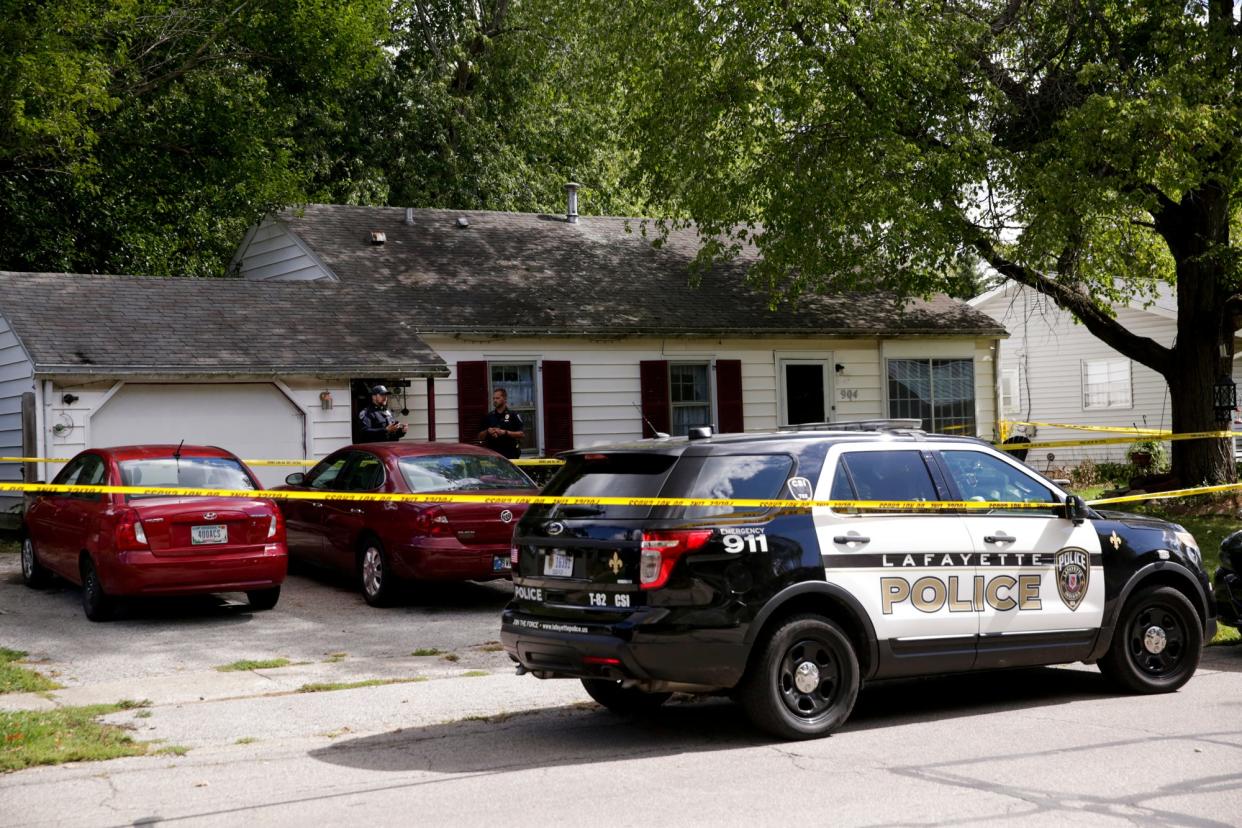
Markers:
point(510, 447)
point(375, 421)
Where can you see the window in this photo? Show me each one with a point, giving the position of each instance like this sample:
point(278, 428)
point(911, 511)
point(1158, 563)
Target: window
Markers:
point(1011, 391)
point(889, 475)
point(186, 473)
point(940, 392)
point(689, 396)
point(518, 380)
point(1106, 383)
point(365, 474)
point(323, 475)
point(454, 472)
point(980, 476)
point(606, 475)
point(757, 477)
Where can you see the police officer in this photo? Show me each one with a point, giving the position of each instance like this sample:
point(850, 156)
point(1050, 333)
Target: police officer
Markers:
point(378, 423)
point(502, 429)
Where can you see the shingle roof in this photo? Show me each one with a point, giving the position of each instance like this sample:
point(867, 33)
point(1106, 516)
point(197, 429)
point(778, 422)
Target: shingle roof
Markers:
point(523, 273)
point(73, 323)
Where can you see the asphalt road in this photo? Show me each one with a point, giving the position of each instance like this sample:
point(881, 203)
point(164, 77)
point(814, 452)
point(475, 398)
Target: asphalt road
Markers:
point(1031, 747)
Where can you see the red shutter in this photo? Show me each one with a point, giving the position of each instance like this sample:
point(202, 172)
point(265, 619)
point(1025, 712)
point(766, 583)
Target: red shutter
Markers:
point(472, 399)
point(729, 395)
point(558, 408)
point(653, 386)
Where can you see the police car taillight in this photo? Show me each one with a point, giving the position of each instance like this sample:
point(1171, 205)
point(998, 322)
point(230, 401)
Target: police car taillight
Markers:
point(662, 550)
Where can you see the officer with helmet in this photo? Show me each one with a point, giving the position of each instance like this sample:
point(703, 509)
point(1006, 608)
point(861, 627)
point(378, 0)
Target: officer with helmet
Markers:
point(378, 423)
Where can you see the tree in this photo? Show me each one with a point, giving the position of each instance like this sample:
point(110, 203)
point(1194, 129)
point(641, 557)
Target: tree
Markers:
point(1088, 149)
point(145, 137)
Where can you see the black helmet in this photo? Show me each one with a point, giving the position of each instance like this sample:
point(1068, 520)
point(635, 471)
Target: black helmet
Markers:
point(379, 389)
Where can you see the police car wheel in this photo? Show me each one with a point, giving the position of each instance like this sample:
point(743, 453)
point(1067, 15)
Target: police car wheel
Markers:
point(375, 575)
point(804, 681)
point(1156, 644)
point(33, 572)
point(623, 700)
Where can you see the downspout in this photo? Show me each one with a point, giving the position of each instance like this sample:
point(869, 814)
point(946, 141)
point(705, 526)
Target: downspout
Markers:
point(431, 409)
point(997, 414)
point(43, 401)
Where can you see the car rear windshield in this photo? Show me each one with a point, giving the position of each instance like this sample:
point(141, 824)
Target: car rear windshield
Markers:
point(607, 475)
point(740, 477)
point(186, 473)
point(457, 472)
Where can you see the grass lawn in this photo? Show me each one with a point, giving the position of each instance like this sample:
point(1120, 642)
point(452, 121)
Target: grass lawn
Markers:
point(265, 664)
point(14, 679)
point(70, 734)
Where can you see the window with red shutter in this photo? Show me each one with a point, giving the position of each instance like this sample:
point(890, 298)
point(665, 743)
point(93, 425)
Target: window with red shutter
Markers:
point(729, 395)
point(653, 390)
point(473, 399)
point(558, 407)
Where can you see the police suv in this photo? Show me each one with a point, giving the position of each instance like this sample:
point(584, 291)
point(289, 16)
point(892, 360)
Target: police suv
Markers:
point(789, 609)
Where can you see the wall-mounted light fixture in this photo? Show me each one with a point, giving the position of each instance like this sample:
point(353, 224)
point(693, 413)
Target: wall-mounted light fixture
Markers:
point(839, 367)
point(325, 400)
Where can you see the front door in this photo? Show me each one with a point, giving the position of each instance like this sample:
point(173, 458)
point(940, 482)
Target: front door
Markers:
point(804, 391)
point(1044, 576)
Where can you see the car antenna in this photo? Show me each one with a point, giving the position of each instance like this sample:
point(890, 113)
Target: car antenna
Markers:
point(177, 457)
point(650, 425)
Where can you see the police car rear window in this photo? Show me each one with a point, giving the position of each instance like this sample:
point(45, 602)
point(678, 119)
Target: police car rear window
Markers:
point(607, 475)
point(741, 477)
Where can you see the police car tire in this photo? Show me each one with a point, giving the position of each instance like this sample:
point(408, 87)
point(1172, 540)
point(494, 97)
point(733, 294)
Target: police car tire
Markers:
point(625, 701)
point(34, 574)
point(769, 693)
point(1131, 666)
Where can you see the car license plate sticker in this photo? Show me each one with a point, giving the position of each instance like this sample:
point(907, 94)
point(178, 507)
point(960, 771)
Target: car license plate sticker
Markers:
point(558, 564)
point(500, 563)
point(200, 535)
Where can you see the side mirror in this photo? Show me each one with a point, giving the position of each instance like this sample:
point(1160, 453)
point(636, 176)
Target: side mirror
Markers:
point(1076, 509)
point(296, 478)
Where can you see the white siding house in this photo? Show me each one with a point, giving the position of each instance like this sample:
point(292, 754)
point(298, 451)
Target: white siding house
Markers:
point(1053, 370)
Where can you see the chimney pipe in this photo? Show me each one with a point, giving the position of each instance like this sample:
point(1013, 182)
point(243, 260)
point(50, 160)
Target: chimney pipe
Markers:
point(409, 216)
point(571, 190)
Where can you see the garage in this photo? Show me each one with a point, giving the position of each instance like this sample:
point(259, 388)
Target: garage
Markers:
point(252, 420)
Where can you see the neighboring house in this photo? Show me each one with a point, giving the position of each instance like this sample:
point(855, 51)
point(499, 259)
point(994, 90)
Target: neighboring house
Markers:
point(262, 370)
point(1053, 370)
point(599, 336)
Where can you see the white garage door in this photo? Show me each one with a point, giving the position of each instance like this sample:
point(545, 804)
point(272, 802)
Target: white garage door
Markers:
point(252, 420)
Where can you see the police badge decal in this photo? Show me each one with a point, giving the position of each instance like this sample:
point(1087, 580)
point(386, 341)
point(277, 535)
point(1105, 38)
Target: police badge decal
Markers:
point(1073, 574)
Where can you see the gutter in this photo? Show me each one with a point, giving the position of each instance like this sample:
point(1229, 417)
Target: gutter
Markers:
point(181, 371)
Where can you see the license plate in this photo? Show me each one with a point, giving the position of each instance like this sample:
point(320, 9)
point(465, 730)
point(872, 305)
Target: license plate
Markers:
point(500, 563)
point(209, 534)
point(558, 564)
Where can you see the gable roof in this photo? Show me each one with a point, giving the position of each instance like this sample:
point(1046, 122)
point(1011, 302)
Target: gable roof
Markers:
point(1163, 303)
point(531, 274)
point(117, 325)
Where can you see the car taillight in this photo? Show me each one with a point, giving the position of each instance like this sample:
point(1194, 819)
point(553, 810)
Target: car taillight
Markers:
point(662, 550)
point(274, 527)
point(433, 523)
point(129, 532)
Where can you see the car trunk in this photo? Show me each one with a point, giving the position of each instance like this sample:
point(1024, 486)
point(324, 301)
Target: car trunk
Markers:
point(203, 526)
point(483, 524)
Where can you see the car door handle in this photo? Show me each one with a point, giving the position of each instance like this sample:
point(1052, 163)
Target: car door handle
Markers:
point(999, 539)
point(316, 504)
point(843, 539)
point(356, 511)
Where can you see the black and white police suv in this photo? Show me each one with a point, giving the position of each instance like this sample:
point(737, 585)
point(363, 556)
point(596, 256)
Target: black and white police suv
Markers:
point(789, 610)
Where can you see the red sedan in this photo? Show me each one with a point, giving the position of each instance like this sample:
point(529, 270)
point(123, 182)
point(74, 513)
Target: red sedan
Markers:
point(115, 544)
point(383, 542)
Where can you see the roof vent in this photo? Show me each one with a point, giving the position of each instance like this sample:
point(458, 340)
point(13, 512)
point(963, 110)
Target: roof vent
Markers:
point(571, 193)
point(409, 216)
point(462, 221)
point(378, 237)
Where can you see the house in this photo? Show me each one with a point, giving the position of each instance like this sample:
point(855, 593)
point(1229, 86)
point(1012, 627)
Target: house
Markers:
point(263, 370)
point(1053, 370)
point(598, 335)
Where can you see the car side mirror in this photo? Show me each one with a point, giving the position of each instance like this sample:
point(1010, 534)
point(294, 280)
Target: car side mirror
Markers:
point(296, 478)
point(1076, 509)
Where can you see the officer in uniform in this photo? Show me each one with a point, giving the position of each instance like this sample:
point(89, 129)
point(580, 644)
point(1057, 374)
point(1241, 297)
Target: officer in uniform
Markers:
point(502, 429)
point(378, 423)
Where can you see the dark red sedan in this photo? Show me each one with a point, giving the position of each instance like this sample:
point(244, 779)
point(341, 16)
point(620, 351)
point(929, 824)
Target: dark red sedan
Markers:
point(381, 543)
point(116, 544)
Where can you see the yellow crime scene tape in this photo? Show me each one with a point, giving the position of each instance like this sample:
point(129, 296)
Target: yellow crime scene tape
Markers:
point(1005, 424)
point(533, 461)
point(1113, 441)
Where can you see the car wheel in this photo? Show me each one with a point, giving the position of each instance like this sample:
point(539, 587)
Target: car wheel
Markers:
point(263, 599)
point(97, 604)
point(625, 701)
point(375, 575)
point(33, 572)
point(803, 683)
point(1156, 644)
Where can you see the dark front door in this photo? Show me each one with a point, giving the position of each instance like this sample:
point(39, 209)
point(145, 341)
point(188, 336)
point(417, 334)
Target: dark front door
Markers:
point(804, 393)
